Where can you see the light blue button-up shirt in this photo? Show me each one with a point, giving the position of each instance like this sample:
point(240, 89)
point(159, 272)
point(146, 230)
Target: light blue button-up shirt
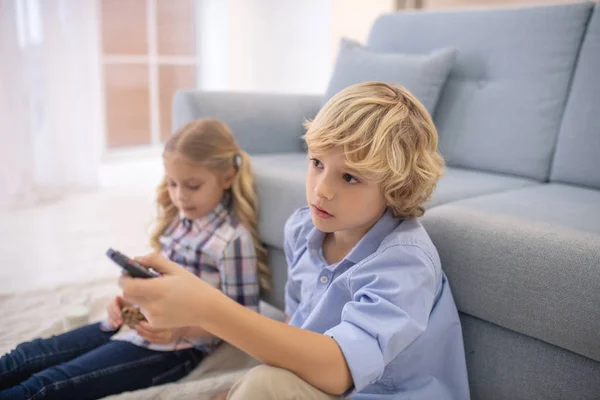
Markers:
point(387, 304)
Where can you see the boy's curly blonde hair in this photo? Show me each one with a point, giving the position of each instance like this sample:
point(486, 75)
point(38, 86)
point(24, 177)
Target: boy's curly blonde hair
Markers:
point(387, 136)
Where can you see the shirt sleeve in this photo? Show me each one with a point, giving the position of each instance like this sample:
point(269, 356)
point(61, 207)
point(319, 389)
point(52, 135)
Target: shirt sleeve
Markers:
point(292, 288)
point(392, 296)
point(239, 272)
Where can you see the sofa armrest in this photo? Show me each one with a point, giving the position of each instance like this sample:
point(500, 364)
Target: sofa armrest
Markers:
point(261, 122)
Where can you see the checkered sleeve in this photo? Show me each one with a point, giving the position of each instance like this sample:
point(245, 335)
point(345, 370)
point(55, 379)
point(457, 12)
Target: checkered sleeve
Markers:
point(239, 271)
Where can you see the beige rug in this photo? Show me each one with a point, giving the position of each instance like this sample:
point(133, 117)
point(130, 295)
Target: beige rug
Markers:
point(28, 315)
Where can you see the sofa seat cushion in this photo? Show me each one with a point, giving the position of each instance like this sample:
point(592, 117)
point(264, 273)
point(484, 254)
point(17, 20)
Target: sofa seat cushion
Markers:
point(459, 183)
point(527, 260)
point(280, 184)
point(505, 365)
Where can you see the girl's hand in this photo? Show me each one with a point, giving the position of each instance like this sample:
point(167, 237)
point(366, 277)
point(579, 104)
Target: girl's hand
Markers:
point(115, 318)
point(158, 335)
point(176, 299)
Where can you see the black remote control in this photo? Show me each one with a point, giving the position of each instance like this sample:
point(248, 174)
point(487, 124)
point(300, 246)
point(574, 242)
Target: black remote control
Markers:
point(134, 268)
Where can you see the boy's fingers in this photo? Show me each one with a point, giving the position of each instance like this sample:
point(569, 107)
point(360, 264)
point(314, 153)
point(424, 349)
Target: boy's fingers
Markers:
point(138, 290)
point(159, 264)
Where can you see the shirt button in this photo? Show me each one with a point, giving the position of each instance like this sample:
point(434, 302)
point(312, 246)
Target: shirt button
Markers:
point(324, 279)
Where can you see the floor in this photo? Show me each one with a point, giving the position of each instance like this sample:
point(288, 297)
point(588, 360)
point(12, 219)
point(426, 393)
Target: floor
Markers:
point(66, 240)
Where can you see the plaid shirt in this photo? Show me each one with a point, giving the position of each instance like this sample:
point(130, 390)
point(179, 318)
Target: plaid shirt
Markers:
point(219, 250)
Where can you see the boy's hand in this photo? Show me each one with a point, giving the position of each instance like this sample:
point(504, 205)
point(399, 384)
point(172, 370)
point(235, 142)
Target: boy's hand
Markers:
point(158, 335)
point(177, 298)
point(115, 318)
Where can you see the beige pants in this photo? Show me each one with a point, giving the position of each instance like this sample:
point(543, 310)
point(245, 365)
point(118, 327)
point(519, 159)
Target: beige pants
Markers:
point(271, 383)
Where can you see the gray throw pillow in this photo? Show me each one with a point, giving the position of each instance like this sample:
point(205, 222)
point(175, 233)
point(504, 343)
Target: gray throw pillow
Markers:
point(423, 75)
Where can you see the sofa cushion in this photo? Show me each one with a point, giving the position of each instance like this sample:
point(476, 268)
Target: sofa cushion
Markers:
point(502, 104)
point(527, 260)
point(261, 122)
point(458, 184)
point(423, 75)
point(505, 365)
point(280, 185)
point(577, 158)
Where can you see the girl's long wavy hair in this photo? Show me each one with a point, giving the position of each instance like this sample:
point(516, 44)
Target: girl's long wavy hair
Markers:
point(211, 144)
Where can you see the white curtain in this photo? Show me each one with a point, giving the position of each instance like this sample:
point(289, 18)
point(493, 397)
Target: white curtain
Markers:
point(265, 45)
point(51, 122)
point(279, 45)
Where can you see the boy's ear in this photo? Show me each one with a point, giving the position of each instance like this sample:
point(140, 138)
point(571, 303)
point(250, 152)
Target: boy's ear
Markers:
point(228, 178)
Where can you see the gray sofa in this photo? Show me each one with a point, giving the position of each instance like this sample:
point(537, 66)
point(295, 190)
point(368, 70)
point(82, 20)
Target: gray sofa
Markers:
point(516, 218)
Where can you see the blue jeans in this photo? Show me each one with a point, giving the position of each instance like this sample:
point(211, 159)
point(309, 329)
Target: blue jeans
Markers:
point(85, 364)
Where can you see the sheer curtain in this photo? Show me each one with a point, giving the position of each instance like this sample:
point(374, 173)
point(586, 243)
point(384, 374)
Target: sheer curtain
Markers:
point(264, 45)
point(278, 46)
point(51, 125)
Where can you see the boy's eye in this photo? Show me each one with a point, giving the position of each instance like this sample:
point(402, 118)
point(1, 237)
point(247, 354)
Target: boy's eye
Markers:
point(171, 184)
point(316, 163)
point(349, 178)
point(196, 187)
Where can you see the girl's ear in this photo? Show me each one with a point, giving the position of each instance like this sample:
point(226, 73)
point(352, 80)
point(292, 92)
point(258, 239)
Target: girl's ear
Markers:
point(229, 178)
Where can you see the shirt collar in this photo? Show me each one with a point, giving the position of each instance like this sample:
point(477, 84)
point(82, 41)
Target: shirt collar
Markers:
point(367, 245)
point(218, 213)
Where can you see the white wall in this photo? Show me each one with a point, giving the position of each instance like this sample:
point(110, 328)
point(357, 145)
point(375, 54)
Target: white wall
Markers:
point(486, 3)
point(353, 19)
point(265, 45)
point(278, 45)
